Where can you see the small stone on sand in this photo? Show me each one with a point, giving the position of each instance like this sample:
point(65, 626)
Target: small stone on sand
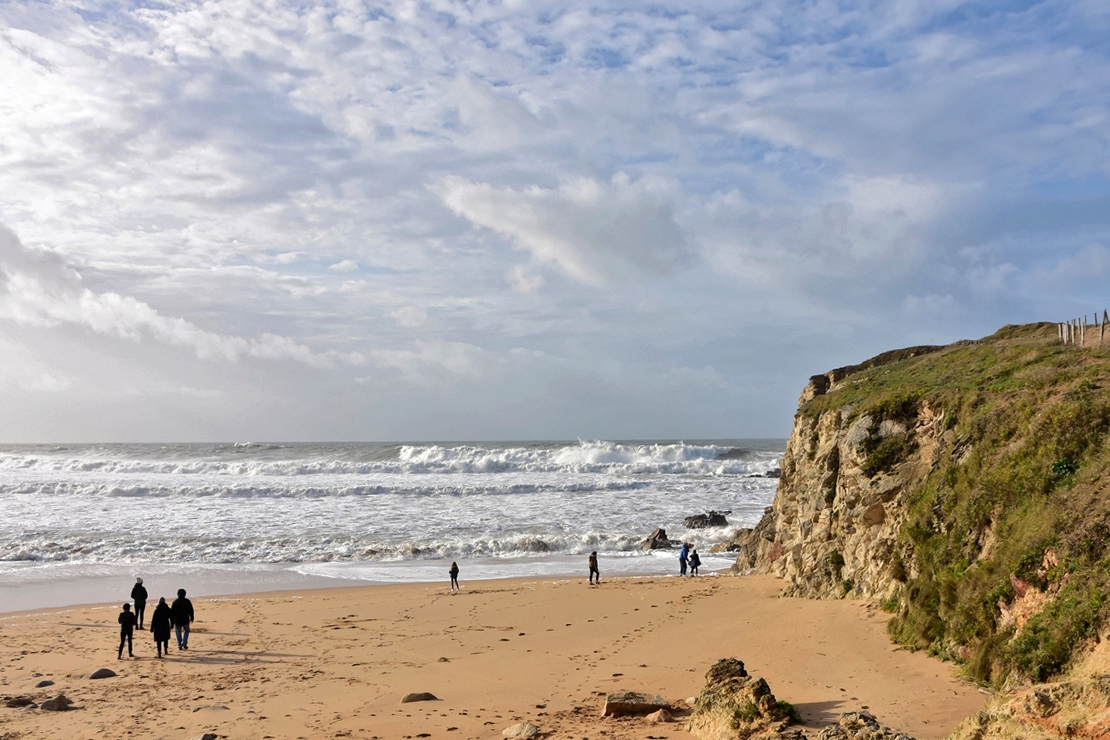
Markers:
point(420, 696)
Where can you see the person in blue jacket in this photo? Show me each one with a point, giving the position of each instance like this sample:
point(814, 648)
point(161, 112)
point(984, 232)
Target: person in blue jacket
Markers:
point(683, 554)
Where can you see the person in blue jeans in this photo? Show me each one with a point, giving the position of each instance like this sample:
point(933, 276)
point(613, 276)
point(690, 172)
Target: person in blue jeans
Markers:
point(182, 612)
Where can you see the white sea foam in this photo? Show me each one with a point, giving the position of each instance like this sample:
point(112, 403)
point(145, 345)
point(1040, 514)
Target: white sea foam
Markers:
point(368, 504)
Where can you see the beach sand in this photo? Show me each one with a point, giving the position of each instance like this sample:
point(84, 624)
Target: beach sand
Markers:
point(336, 662)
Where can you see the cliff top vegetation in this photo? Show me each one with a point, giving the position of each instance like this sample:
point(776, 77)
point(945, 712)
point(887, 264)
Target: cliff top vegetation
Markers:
point(1004, 555)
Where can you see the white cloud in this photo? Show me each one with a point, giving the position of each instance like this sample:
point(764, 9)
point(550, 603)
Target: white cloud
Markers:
point(39, 290)
point(344, 266)
point(593, 232)
point(434, 362)
point(409, 317)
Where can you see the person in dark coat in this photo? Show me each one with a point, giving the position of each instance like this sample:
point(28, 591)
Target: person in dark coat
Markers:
point(593, 567)
point(182, 610)
point(138, 595)
point(126, 631)
point(454, 573)
point(695, 561)
point(160, 623)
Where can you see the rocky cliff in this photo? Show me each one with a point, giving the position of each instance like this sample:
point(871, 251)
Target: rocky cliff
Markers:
point(841, 502)
point(967, 487)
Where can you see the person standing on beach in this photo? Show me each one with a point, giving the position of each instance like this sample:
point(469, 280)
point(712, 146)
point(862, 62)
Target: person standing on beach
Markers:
point(454, 573)
point(683, 553)
point(695, 561)
point(160, 622)
point(182, 611)
point(126, 631)
point(138, 595)
point(593, 567)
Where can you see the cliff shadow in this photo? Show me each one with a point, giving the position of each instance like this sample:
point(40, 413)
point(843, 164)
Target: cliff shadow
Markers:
point(818, 714)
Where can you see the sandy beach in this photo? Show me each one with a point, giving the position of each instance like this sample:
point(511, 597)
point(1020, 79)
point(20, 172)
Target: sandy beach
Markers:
point(336, 662)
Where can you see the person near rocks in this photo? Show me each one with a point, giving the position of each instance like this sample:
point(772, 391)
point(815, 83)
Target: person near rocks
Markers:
point(160, 623)
point(454, 573)
point(593, 567)
point(138, 595)
point(683, 555)
point(695, 561)
point(126, 631)
point(182, 611)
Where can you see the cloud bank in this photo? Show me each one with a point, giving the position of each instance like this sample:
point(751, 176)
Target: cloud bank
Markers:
point(491, 220)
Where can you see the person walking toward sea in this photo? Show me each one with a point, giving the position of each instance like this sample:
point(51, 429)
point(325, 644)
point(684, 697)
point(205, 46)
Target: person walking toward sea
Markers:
point(138, 595)
point(182, 611)
point(126, 631)
point(160, 622)
point(454, 573)
point(683, 554)
point(695, 561)
point(593, 567)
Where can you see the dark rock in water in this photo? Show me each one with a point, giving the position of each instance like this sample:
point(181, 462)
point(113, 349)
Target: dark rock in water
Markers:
point(712, 519)
point(420, 696)
point(860, 726)
point(776, 473)
point(736, 453)
point(534, 544)
point(633, 702)
point(657, 540)
point(102, 673)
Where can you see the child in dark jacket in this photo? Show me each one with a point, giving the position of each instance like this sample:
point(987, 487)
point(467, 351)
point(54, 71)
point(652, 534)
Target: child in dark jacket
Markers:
point(126, 631)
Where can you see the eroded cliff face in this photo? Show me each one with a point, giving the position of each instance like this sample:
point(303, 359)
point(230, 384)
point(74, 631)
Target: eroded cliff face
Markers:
point(833, 528)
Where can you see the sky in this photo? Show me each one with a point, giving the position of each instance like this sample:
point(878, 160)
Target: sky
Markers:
point(224, 220)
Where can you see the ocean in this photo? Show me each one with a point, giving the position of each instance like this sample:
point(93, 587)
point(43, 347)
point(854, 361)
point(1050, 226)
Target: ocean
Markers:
point(78, 522)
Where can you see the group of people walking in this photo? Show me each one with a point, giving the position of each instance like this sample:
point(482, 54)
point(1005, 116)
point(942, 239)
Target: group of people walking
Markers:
point(178, 616)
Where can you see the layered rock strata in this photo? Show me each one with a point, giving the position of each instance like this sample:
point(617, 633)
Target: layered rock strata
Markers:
point(837, 512)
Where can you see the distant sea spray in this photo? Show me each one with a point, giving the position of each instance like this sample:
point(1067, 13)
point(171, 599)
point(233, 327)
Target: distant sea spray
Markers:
point(321, 503)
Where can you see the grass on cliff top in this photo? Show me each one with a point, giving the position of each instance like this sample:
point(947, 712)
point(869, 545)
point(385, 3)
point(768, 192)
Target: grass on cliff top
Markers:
point(1023, 470)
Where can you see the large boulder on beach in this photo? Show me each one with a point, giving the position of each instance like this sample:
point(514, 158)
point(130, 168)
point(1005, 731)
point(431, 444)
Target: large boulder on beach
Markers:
point(633, 702)
point(734, 704)
point(657, 540)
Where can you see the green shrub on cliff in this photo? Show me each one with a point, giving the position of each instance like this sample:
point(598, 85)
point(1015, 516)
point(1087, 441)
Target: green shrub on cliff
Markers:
point(1003, 553)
